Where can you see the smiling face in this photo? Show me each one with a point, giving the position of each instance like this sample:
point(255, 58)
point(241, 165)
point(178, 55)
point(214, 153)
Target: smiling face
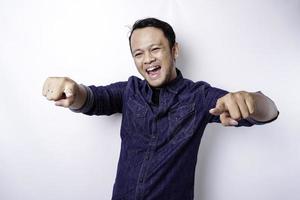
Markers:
point(153, 57)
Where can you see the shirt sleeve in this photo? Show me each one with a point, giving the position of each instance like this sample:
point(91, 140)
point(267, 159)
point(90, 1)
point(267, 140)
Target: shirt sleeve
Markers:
point(103, 100)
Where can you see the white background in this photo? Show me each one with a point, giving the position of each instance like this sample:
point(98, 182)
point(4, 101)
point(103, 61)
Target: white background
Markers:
point(50, 153)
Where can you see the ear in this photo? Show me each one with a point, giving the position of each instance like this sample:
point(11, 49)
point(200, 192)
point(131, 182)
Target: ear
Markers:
point(175, 50)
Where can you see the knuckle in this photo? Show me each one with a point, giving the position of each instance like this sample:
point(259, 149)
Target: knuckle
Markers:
point(69, 83)
point(230, 98)
point(247, 95)
point(49, 80)
point(60, 80)
point(72, 85)
point(239, 96)
point(230, 95)
point(64, 80)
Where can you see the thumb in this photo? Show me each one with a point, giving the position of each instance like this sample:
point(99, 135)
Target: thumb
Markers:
point(64, 102)
point(68, 100)
point(218, 109)
point(215, 111)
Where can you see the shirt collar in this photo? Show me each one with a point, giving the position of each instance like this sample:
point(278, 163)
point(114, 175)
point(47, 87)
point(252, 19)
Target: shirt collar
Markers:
point(173, 87)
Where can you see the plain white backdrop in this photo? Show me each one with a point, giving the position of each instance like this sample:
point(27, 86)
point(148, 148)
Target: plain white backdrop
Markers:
point(50, 153)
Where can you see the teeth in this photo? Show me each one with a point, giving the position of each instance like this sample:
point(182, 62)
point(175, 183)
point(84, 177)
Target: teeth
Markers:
point(151, 68)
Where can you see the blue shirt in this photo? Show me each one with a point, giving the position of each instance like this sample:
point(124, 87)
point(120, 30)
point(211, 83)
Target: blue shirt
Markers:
point(159, 141)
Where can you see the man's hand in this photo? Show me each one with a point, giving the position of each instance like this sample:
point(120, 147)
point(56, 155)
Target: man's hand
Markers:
point(64, 91)
point(233, 107)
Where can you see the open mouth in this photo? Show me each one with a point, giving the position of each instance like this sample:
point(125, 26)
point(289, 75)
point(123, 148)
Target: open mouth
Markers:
point(153, 70)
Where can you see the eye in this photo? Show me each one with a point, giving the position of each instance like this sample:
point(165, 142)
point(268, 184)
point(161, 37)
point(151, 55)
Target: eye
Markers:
point(137, 55)
point(155, 49)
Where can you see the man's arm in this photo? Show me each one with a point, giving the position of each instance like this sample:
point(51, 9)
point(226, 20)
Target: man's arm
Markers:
point(92, 100)
point(244, 105)
point(64, 92)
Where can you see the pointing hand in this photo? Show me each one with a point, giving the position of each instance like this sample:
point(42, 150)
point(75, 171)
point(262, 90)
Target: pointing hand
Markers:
point(233, 107)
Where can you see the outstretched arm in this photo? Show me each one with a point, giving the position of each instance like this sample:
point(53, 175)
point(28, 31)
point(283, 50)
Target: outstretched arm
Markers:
point(244, 105)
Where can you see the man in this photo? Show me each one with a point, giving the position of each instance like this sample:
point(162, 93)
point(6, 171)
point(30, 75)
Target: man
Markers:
point(164, 116)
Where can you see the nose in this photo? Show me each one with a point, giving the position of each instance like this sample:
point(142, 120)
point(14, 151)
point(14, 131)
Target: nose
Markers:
point(148, 58)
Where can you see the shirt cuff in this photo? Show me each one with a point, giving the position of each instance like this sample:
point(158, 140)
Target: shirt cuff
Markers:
point(89, 102)
point(253, 121)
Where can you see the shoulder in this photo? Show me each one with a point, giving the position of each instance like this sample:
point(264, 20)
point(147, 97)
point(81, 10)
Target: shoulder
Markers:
point(199, 86)
point(135, 83)
point(204, 90)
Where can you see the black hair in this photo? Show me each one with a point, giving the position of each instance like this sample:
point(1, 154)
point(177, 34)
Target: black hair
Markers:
point(156, 23)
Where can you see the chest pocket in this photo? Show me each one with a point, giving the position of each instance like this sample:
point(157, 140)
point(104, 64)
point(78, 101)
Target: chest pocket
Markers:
point(135, 117)
point(181, 122)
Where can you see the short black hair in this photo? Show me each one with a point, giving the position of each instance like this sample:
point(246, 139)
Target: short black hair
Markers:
point(156, 23)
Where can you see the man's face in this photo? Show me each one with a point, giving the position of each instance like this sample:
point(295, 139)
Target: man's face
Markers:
point(153, 57)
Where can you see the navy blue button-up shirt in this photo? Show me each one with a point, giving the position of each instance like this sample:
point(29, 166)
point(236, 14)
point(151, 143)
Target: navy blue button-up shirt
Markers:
point(159, 141)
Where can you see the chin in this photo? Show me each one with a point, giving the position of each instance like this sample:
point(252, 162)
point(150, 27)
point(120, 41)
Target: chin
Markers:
point(156, 83)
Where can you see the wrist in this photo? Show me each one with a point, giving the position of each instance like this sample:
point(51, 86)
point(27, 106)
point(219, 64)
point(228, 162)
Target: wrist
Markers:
point(80, 97)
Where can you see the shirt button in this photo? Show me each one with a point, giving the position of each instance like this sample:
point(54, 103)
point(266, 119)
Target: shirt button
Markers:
point(153, 136)
point(141, 179)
